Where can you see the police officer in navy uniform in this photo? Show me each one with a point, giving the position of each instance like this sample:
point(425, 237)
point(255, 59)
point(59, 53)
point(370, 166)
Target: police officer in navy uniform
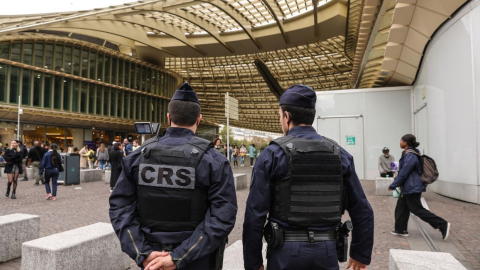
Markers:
point(174, 203)
point(304, 182)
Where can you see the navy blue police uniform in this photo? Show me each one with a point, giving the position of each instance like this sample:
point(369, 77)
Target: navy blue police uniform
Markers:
point(175, 193)
point(272, 167)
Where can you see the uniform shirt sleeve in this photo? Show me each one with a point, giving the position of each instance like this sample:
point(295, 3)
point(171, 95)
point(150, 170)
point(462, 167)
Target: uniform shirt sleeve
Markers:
point(124, 215)
point(407, 167)
point(258, 206)
point(360, 212)
point(220, 217)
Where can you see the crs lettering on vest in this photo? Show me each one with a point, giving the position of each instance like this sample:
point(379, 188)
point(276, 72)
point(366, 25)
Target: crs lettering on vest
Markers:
point(166, 176)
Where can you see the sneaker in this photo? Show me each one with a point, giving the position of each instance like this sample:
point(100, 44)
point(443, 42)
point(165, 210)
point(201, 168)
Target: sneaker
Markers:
point(404, 233)
point(52, 198)
point(445, 229)
point(49, 196)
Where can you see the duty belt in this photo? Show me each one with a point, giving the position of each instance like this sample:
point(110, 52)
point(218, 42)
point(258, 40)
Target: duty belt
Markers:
point(308, 236)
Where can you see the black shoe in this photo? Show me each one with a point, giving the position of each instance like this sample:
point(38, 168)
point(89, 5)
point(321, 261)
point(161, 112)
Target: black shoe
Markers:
point(8, 193)
point(24, 179)
point(13, 196)
point(36, 184)
point(445, 229)
point(404, 233)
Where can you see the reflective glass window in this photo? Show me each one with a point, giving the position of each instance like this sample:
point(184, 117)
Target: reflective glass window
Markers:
point(3, 82)
point(91, 98)
point(107, 68)
point(57, 92)
point(59, 57)
point(76, 61)
point(47, 91)
point(100, 67)
point(99, 98)
point(4, 50)
point(68, 59)
point(16, 52)
point(28, 53)
point(148, 86)
point(114, 70)
point(75, 93)
point(93, 65)
point(39, 55)
point(26, 86)
point(121, 71)
point(14, 84)
point(49, 56)
point(37, 88)
point(85, 63)
point(119, 103)
point(67, 83)
point(138, 77)
point(139, 107)
point(113, 102)
point(132, 105)
point(106, 102)
point(83, 97)
point(126, 102)
point(144, 79)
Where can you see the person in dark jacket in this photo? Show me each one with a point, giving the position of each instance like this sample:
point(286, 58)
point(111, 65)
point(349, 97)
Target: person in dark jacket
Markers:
point(412, 186)
point(142, 213)
point(297, 113)
point(116, 164)
point(50, 165)
point(13, 167)
point(24, 159)
point(128, 147)
point(35, 156)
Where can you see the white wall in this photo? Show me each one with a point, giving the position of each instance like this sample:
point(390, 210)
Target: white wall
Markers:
point(387, 116)
point(449, 82)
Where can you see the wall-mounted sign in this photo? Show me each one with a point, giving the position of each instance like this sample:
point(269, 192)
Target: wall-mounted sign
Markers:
point(350, 140)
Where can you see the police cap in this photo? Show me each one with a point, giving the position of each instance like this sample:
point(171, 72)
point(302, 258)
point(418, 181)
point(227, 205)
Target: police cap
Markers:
point(299, 95)
point(185, 93)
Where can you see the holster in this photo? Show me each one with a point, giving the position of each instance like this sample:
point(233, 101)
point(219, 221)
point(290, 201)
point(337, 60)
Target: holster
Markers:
point(342, 248)
point(273, 235)
point(217, 256)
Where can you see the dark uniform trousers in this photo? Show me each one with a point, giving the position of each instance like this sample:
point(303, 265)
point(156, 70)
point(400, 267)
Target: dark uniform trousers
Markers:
point(411, 203)
point(304, 256)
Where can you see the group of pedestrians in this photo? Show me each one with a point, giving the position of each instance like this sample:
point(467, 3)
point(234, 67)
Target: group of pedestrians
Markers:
point(236, 153)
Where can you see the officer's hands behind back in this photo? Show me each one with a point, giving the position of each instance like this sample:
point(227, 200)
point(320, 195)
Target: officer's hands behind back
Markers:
point(356, 265)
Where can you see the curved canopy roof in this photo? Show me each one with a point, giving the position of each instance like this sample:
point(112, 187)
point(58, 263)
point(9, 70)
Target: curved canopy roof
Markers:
point(326, 44)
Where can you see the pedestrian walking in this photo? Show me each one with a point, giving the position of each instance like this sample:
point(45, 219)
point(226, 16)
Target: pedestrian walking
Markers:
point(115, 164)
point(13, 167)
point(90, 157)
point(236, 153)
point(102, 156)
point(128, 148)
point(178, 219)
point(217, 145)
point(252, 153)
point(243, 153)
point(35, 159)
point(304, 183)
point(24, 159)
point(51, 163)
point(83, 157)
point(412, 186)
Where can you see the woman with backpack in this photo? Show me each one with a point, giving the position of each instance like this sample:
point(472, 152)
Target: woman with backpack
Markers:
point(91, 157)
point(51, 165)
point(411, 184)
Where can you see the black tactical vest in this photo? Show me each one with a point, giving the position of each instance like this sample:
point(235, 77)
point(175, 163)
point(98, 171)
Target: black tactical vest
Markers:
point(312, 193)
point(169, 198)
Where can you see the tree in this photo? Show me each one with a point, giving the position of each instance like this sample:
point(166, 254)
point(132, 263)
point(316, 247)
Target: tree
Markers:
point(223, 135)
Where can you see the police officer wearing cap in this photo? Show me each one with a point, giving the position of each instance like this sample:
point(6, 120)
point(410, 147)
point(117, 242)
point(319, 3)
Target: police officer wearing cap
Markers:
point(304, 182)
point(174, 203)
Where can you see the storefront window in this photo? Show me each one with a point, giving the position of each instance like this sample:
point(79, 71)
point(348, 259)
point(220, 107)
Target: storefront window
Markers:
point(56, 135)
point(32, 133)
point(26, 86)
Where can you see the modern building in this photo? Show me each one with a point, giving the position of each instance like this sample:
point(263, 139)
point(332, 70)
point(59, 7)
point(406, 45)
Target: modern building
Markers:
point(108, 67)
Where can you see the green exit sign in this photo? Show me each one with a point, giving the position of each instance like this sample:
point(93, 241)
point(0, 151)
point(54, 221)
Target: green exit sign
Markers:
point(350, 140)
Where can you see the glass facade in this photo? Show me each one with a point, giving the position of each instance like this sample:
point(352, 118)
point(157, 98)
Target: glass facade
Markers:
point(56, 91)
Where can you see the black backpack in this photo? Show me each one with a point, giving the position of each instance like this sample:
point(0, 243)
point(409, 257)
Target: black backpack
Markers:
point(91, 156)
point(429, 168)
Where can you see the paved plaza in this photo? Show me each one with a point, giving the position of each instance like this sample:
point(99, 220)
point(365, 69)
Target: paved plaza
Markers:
point(82, 205)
